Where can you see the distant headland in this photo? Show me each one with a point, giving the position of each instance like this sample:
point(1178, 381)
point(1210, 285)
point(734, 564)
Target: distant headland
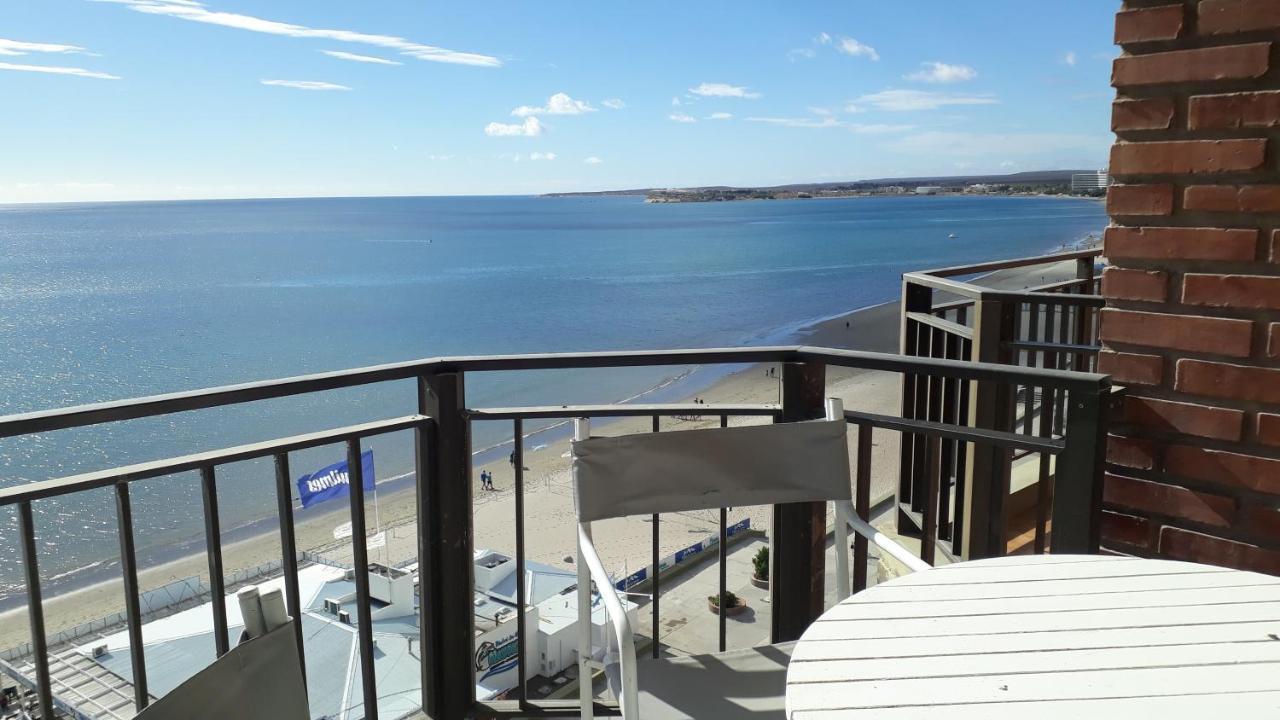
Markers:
point(1040, 182)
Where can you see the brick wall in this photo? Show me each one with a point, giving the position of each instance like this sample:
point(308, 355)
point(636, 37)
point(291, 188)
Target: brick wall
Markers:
point(1192, 323)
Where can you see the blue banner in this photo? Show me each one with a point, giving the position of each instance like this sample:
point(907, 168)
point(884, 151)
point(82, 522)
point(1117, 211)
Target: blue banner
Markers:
point(334, 481)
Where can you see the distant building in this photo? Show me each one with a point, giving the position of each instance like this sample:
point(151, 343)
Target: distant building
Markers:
point(1084, 182)
point(928, 189)
point(894, 190)
point(978, 189)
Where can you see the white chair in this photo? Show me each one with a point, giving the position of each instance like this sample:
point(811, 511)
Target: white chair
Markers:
point(650, 473)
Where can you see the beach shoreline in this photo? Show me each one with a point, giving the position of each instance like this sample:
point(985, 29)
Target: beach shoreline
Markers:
point(548, 497)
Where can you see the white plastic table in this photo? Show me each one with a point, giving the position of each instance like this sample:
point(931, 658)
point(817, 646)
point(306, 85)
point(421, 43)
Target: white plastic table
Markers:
point(1048, 637)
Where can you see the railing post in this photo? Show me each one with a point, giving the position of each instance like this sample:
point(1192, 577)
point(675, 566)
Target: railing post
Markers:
point(1077, 486)
point(990, 407)
point(446, 573)
point(915, 298)
point(797, 558)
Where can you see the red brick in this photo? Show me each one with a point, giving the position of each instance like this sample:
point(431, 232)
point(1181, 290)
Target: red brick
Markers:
point(1224, 380)
point(1224, 468)
point(1231, 62)
point(1168, 500)
point(1232, 198)
point(1124, 284)
point(1187, 156)
point(1182, 544)
point(1152, 114)
point(1273, 340)
point(1217, 17)
point(1128, 529)
point(1148, 24)
point(1234, 111)
point(1186, 418)
point(1131, 368)
point(1140, 199)
point(1269, 429)
point(1233, 291)
point(1220, 336)
point(1131, 452)
point(1260, 520)
point(1151, 243)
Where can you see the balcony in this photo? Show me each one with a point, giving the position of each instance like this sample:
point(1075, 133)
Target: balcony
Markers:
point(434, 663)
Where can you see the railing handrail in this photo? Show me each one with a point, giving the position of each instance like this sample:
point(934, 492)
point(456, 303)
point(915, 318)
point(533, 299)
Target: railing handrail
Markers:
point(164, 404)
point(1014, 263)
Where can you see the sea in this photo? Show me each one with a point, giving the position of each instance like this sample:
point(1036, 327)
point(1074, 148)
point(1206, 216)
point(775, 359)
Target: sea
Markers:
point(117, 300)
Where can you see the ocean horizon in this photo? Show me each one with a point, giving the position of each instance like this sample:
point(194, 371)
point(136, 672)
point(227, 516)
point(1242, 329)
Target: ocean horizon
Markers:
point(116, 300)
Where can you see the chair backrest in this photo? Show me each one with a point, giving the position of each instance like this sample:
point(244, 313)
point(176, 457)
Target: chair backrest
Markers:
point(650, 473)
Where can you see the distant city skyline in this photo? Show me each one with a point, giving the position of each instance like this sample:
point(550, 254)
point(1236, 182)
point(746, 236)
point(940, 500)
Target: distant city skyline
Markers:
point(172, 99)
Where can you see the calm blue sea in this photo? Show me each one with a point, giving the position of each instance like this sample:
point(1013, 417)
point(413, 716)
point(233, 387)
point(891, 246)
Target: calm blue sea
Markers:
point(108, 301)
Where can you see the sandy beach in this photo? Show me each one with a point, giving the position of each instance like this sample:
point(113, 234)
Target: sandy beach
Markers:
point(549, 516)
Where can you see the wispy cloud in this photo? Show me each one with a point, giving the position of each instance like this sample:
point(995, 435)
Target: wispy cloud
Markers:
point(360, 58)
point(724, 90)
point(198, 12)
point(720, 116)
point(531, 127)
point(558, 104)
point(1062, 149)
point(305, 84)
point(675, 101)
point(439, 158)
point(19, 47)
point(682, 118)
point(906, 100)
point(78, 72)
point(613, 104)
point(849, 46)
point(1070, 58)
point(937, 72)
point(542, 156)
point(829, 121)
point(593, 160)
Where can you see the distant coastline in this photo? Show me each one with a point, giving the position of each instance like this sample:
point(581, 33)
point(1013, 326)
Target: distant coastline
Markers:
point(1044, 183)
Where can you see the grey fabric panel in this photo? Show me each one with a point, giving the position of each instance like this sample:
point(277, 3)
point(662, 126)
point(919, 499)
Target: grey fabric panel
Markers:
point(649, 473)
point(259, 680)
point(750, 683)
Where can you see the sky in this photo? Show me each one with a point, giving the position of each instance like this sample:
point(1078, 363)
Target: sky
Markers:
point(170, 99)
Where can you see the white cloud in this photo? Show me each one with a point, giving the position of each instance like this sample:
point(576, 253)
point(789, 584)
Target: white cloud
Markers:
point(682, 118)
point(1070, 58)
point(820, 111)
point(823, 38)
point(849, 46)
point(828, 121)
point(18, 47)
point(613, 103)
point(593, 160)
point(720, 116)
point(1047, 149)
point(852, 108)
point(558, 104)
point(305, 84)
point(723, 90)
point(542, 156)
point(360, 58)
point(78, 72)
point(439, 158)
point(675, 101)
point(937, 72)
point(531, 127)
point(800, 54)
point(906, 100)
point(197, 12)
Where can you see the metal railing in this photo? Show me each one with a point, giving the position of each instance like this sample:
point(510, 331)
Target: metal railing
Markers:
point(442, 462)
point(1052, 325)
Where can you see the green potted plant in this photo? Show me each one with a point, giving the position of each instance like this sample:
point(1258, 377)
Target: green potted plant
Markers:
point(733, 605)
point(760, 563)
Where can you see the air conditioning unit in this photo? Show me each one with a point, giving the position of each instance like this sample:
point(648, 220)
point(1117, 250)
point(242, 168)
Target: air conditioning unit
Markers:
point(99, 651)
point(344, 617)
point(332, 606)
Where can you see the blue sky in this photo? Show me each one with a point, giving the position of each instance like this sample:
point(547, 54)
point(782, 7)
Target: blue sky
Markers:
point(158, 99)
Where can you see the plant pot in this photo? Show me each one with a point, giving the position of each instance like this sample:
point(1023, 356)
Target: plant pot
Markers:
point(738, 609)
point(762, 583)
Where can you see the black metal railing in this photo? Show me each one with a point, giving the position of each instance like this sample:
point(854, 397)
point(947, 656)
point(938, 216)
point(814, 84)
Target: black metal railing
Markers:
point(442, 463)
point(1051, 325)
